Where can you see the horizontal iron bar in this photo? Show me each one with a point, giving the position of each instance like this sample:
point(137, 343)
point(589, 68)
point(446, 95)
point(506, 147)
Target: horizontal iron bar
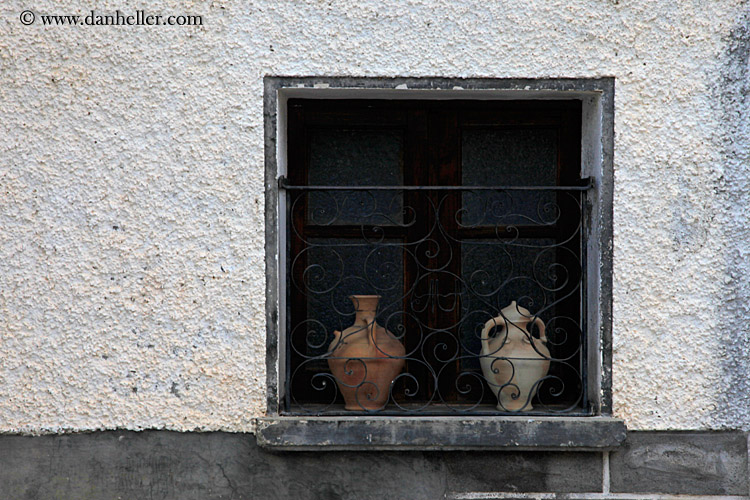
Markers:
point(586, 184)
point(430, 412)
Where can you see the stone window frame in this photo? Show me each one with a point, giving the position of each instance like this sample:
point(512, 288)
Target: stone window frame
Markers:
point(451, 432)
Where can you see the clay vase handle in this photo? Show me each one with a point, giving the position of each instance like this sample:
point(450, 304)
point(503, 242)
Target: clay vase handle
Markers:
point(540, 324)
point(485, 338)
point(336, 341)
point(372, 332)
point(373, 336)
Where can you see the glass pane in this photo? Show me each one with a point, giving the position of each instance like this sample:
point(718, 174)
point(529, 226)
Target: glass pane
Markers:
point(500, 157)
point(340, 157)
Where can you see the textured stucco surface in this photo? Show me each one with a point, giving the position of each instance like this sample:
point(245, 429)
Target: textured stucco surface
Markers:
point(131, 194)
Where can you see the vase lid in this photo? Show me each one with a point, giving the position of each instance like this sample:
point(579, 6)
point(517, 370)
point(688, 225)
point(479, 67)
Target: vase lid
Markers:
point(515, 313)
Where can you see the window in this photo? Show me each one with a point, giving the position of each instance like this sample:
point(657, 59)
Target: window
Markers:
point(459, 225)
point(463, 208)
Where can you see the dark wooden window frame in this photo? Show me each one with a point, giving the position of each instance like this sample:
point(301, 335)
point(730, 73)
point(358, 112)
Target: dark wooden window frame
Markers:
point(431, 132)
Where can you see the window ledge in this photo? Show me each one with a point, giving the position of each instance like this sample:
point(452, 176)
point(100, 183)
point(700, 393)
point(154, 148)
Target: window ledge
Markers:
point(440, 433)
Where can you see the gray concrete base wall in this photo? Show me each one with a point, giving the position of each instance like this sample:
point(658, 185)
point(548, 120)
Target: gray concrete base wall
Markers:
point(169, 465)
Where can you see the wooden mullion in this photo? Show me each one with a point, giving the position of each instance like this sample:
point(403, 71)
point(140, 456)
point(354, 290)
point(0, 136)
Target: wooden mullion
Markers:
point(415, 165)
point(445, 170)
point(298, 164)
point(351, 113)
point(372, 233)
point(509, 232)
point(569, 173)
point(512, 114)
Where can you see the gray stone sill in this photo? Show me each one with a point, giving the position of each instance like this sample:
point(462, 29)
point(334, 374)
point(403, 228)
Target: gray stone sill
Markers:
point(440, 433)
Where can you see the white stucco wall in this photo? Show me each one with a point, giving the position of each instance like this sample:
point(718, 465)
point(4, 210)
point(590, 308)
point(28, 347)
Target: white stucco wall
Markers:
point(131, 193)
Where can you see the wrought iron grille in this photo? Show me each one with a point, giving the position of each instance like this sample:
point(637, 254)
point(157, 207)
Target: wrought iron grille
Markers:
point(435, 299)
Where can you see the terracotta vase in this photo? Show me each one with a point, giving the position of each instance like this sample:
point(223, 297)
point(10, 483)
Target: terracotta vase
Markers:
point(513, 360)
point(365, 358)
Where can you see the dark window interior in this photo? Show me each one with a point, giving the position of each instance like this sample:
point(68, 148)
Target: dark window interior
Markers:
point(442, 260)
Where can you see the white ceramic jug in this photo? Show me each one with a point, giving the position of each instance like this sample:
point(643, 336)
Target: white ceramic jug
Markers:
point(513, 360)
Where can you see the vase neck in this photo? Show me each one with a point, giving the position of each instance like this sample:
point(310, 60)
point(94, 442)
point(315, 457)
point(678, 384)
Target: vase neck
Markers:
point(365, 307)
point(364, 318)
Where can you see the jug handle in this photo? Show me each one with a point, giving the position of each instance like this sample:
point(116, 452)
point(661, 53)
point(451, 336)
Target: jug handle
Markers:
point(494, 322)
point(372, 332)
point(540, 324)
point(336, 338)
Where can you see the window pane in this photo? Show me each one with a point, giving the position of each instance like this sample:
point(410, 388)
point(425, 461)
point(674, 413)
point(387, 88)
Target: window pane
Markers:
point(341, 157)
point(501, 157)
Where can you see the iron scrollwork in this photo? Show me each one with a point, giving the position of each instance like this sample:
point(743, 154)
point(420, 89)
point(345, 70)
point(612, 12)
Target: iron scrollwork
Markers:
point(446, 263)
